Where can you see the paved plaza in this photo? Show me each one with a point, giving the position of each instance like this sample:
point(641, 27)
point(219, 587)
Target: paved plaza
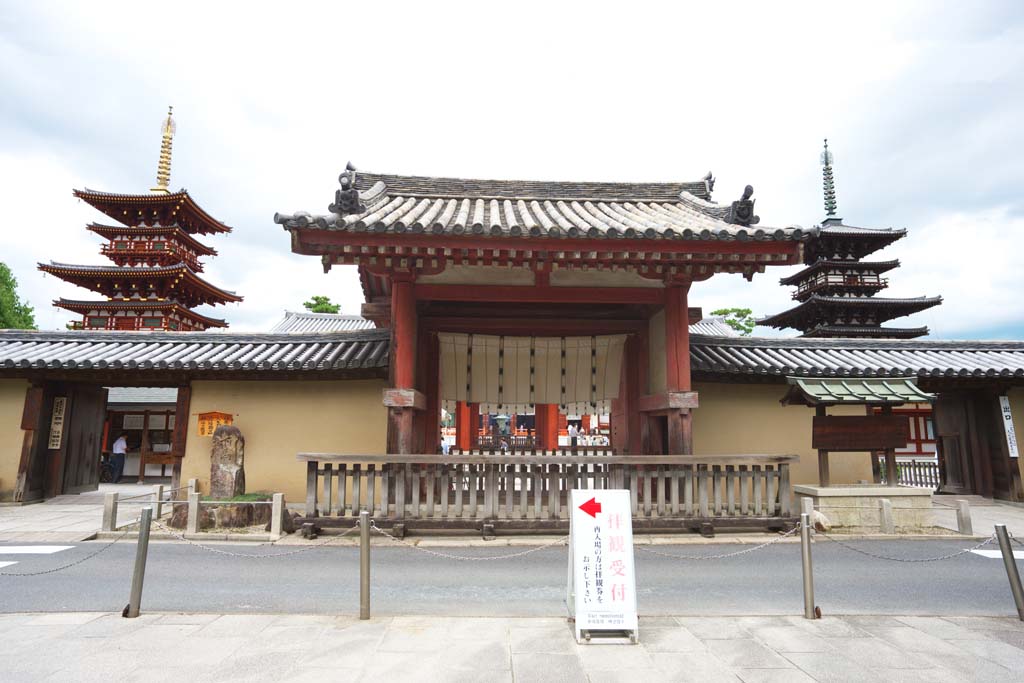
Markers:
point(210, 647)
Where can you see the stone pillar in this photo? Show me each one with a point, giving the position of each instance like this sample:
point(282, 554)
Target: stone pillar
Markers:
point(227, 463)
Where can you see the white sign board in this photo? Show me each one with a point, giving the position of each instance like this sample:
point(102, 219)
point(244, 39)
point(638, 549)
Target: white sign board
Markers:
point(602, 580)
point(57, 423)
point(1011, 435)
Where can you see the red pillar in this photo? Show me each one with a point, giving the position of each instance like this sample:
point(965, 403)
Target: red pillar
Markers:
point(547, 425)
point(474, 425)
point(677, 337)
point(462, 426)
point(403, 346)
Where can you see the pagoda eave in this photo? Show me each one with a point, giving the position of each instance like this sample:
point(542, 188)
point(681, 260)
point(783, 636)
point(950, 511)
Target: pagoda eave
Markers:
point(167, 208)
point(111, 232)
point(136, 306)
point(179, 280)
point(866, 331)
point(817, 308)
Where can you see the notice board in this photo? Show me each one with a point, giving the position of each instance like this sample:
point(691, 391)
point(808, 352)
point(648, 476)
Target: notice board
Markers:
point(602, 578)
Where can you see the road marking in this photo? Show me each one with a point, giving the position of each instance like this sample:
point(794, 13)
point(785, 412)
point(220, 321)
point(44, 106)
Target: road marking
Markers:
point(33, 549)
point(6, 564)
point(995, 554)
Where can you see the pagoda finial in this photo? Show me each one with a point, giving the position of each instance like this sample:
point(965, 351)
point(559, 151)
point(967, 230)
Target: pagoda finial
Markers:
point(163, 169)
point(829, 182)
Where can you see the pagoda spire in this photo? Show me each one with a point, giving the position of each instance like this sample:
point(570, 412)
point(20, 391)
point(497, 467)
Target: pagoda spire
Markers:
point(163, 169)
point(828, 182)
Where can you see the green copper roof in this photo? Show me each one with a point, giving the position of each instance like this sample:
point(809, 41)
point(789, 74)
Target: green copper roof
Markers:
point(830, 391)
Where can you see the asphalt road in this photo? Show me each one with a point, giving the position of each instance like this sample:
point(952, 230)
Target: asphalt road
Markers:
point(405, 581)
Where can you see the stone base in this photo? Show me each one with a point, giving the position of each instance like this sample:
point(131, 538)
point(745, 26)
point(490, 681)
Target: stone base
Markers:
point(855, 506)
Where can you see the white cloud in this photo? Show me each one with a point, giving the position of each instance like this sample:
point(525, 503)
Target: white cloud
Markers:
point(271, 101)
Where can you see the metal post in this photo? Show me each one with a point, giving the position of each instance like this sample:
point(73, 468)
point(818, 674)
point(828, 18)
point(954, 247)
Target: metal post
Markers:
point(364, 565)
point(807, 507)
point(805, 556)
point(110, 512)
point(141, 551)
point(158, 502)
point(963, 518)
point(1011, 568)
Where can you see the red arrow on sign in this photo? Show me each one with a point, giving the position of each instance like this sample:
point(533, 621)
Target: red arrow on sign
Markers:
point(591, 507)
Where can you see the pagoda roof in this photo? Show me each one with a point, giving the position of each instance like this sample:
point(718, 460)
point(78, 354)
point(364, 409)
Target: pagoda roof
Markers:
point(84, 276)
point(112, 231)
point(170, 208)
point(459, 208)
point(861, 241)
point(867, 331)
point(885, 308)
point(79, 306)
point(824, 264)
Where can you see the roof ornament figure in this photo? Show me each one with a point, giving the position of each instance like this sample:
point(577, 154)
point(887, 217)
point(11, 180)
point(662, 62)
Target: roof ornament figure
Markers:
point(346, 200)
point(828, 182)
point(163, 169)
point(742, 211)
point(709, 183)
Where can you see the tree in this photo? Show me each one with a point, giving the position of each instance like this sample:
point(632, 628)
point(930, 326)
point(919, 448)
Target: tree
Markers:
point(14, 313)
point(321, 304)
point(739, 319)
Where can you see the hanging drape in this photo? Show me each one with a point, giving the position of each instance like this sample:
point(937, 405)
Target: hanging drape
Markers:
point(510, 374)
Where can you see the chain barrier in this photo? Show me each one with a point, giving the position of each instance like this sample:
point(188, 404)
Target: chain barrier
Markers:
point(126, 527)
point(219, 551)
point(449, 556)
point(908, 559)
point(721, 556)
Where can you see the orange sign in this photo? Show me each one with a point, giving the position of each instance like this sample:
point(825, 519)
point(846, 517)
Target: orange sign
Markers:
point(208, 422)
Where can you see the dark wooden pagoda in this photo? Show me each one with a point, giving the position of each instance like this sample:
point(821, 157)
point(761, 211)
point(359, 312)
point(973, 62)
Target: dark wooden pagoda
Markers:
point(836, 291)
point(153, 284)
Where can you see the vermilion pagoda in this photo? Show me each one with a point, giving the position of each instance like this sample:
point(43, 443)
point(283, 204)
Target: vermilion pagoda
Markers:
point(153, 284)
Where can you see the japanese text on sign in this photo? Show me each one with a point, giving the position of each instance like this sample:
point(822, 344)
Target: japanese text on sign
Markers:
point(1011, 434)
point(57, 422)
point(602, 583)
point(208, 422)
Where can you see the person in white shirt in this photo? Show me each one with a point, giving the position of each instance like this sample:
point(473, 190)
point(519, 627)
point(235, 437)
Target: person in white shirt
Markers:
point(118, 451)
point(573, 435)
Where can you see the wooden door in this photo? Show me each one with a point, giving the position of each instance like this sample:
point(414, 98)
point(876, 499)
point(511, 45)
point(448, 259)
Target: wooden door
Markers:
point(951, 442)
point(84, 438)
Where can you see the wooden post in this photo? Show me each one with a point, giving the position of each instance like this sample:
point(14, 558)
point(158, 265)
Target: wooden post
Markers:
point(144, 447)
point(547, 425)
point(677, 359)
point(463, 426)
point(823, 474)
point(311, 474)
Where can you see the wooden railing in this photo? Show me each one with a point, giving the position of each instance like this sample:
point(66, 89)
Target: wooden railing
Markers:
point(526, 492)
point(918, 473)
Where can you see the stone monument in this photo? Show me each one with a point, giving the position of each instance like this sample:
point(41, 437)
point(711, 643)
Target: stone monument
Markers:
point(227, 463)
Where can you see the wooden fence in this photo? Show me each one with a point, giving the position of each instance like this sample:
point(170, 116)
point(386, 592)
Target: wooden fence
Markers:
point(918, 473)
point(530, 493)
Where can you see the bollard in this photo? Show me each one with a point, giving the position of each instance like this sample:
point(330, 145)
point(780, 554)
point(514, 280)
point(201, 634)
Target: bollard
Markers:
point(193, 486)
point(141, 551)
point(963, 518)
point(885, 521)
point(807, 507)
point(364, 565)
point(192, 526)
point(158, 502)
point(1011, 569)
point(110, 512)
point(808, 569)
point(277, 516)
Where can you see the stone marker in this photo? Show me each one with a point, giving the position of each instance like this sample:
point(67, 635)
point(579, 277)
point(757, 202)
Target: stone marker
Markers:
point(227, 463)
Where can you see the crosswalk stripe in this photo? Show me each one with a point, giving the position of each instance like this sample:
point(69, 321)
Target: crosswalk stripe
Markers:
point(6, 564)
point(33, 549)
point(994, 554)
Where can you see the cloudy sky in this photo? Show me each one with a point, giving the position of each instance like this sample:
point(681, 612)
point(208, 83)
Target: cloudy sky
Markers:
point(922, 103)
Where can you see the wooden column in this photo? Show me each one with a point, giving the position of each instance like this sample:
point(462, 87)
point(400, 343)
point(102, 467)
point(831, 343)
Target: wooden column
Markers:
point(677, 359)
point(823, 475)
point(403, 354)
point(547, 425)
point(891, 474)
point(431, 387)
point(630, 392)
point(463, 426)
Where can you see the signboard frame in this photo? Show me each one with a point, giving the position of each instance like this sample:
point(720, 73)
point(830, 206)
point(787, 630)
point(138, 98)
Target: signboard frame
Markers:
point(600, 551)
point(207, 423)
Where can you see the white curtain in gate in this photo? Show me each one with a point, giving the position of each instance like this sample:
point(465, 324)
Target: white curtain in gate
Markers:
point(511, 374)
